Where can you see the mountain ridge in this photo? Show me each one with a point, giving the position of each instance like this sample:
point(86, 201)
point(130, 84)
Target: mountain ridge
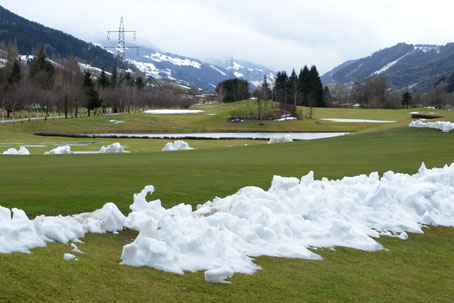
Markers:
point(411, 66)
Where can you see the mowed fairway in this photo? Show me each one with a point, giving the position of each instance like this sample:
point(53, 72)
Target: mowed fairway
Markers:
point(415, 270)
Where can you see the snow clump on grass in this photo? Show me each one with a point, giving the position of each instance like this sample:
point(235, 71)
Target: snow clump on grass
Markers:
point(293, 215)
point(59, 150)
point(444, 126)
point(283, 139)
point(21, 151)
point(177, 145)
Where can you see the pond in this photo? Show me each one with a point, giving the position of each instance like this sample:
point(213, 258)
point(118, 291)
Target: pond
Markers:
point(225, 136)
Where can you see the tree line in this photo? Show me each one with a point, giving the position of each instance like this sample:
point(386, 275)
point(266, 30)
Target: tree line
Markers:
point(60, 86)
point(376, 92)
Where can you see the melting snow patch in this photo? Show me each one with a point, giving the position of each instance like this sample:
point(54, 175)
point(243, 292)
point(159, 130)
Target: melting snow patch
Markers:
point(21, 151)
point(59, 150)
point(173, 111)
point(113, 148)
point(19, 234)
point(66, 149)
point(286, 138)
point(222, 235)
point(218, 275)
point(116, 121)
point(76, 249)
point(177, 145)
point(69, 257)
point(444, 126)
point(358, 120)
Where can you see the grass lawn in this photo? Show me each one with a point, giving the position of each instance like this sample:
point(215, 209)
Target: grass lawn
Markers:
point(416, 270)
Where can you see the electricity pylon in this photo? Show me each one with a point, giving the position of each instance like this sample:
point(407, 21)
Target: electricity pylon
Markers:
point(121, 51)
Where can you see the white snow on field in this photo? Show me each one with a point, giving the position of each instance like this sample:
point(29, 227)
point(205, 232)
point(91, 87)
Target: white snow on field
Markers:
point(173, 111)
point(238, 75)
point(444, 126)
point(283, 139)
point(286, 220)
point(158, 57)
point(113, 148)
point(59, 150)
point(358, 120)
point(21, 151)
point(66, 149)
point(19, 234)
point(116, 121)
point(286, 117)
point(218, 70)
point(177, 145)
point(68, 257)
point(148, 69)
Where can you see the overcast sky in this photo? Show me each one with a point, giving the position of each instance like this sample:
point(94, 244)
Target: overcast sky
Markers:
point(278, 34)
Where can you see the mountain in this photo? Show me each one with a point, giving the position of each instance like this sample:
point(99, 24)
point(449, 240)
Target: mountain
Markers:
point(412, 66)
point(190, 71)
point(30, 35)
point(183, 70)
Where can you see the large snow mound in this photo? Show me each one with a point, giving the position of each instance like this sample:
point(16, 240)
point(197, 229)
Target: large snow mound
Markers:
point(177, 145)
point(21, 151)
point(283, 139)
point(284, 221)
point(20, 234)
point(444, 126)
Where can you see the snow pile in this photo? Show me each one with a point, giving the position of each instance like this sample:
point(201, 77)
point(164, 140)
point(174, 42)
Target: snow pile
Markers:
point(218, 275)
point(286, 117)
point(292, 216)
point(59, 150)
point(19, 234)
point(113, 148)
point(286, 138)
point(116, 121)
point(21, 151)
point(177, 145)
point(68, 257)
point(66, 149)
point(444, 126)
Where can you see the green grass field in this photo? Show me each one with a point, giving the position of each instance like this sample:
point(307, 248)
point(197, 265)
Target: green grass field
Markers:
point(416, 270)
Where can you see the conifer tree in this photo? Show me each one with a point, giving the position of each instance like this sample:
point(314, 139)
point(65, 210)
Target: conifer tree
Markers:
point(304, 86)
point(266, 90)
point(103, 79)
point(91, 94)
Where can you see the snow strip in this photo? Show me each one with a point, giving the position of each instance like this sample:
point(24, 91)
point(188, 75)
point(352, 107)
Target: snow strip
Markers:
point(177, 145)
point(20, 234)
point(283, 139)
point(293, 215)
point(21, 151)
point(444, 126)
point(173, 111)
point(357, 120)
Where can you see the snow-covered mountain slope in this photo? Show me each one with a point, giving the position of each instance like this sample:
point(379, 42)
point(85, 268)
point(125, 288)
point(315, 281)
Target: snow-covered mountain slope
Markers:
point(405, 65)
point(193, 72)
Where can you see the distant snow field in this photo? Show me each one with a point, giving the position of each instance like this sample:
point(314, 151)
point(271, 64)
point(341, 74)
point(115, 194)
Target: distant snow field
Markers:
point(357, 120)
point(173, 111)
point(222, 236)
